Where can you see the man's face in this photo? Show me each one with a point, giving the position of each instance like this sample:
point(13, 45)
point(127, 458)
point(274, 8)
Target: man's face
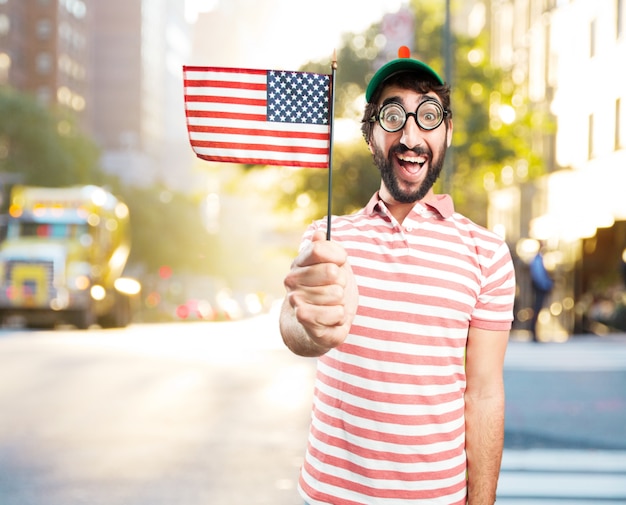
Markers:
point(410, 159)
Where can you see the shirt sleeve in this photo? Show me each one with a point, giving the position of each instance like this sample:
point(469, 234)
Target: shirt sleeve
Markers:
point(494, 307)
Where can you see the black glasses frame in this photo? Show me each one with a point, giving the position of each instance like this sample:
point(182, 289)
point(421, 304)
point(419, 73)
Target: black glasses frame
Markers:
point(443, 113)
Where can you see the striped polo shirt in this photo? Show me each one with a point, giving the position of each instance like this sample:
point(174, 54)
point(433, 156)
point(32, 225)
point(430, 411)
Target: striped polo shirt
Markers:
point(388, 412)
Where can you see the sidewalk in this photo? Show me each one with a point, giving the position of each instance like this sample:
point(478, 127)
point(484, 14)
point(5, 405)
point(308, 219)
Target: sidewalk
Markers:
point(524, 336)
point(578, 353)
point(565, 438)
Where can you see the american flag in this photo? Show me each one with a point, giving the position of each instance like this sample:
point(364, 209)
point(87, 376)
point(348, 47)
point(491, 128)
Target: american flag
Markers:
point(268, 117)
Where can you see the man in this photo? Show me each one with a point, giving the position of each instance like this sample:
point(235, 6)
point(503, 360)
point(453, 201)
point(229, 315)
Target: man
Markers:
point(408, 308)
point(542, 285)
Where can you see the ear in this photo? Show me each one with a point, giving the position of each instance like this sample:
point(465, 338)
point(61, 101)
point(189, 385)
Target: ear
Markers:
point(449, 133)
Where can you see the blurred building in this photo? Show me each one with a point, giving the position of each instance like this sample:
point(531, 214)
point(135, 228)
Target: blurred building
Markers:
point(565, 56)
point(118, 66)
point(45, 50)
point(138, 52)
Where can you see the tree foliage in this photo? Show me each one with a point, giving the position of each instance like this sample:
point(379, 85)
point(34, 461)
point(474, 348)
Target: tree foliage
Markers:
point(168, 230)
point(41, 146)
point(493, 125)
point(486, 150)
point(45, 147)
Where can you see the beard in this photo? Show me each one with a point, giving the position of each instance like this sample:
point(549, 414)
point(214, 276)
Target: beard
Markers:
point(391, 181)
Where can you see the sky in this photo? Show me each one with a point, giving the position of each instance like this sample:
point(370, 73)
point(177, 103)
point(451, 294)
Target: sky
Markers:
point(284, 34)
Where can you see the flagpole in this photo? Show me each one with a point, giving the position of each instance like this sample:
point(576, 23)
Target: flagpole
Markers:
point(330, 148)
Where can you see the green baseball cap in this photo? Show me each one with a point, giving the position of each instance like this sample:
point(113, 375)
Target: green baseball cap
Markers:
point(404, 63)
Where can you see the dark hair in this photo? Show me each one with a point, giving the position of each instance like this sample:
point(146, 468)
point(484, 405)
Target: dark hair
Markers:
point(404, 80)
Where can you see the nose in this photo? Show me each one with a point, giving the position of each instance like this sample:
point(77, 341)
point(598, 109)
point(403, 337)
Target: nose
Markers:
point(411, 132)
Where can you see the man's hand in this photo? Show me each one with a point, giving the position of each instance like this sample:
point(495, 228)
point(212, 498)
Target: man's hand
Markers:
point(323, 296)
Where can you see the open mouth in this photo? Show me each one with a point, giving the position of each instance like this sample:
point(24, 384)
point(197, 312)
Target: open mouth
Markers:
point(412, 164)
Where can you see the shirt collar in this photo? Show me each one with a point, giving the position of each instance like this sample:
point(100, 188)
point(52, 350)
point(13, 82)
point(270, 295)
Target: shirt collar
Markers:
point(442, 204)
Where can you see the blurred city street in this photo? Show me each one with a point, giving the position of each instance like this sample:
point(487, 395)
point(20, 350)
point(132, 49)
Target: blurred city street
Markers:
point(565, 439)
point(148, 190)
point(217, 414)
point(185, 414)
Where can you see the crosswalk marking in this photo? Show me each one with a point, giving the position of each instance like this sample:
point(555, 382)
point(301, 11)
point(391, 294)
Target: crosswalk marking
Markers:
point(580, 354)
point(558, 477)
point(564, 477)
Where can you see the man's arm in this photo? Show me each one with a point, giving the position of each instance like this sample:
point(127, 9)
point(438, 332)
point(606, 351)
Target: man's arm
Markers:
point(484, 412)
point(321, 299)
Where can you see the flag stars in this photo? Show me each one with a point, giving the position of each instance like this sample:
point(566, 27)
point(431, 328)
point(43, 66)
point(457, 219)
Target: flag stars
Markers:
point(300, 97)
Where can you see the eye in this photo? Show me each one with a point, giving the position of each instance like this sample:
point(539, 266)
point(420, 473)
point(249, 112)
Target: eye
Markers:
point(392, 115)
point(430, 113)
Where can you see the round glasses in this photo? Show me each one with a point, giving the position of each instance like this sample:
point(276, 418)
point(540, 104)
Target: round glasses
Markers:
point(428, 116)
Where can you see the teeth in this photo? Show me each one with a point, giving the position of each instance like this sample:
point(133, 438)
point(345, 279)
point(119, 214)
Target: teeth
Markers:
point(413, 159)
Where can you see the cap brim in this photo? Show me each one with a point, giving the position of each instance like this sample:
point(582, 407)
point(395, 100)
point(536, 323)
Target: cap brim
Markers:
point(397, 66)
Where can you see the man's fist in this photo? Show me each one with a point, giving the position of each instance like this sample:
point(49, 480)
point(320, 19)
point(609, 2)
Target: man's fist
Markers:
point(322, 292)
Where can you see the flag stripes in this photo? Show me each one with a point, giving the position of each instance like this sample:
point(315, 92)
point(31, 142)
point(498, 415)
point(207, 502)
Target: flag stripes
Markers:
point(258, 116)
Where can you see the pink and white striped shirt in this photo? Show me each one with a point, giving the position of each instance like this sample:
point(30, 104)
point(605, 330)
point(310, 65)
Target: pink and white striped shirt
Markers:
point(388, 415)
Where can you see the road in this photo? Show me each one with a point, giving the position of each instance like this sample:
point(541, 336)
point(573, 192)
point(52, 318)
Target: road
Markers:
point(565, 441)
point(185, 414)
point(217, 414)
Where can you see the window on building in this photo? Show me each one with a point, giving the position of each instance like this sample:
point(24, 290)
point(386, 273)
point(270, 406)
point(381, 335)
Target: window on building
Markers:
point(590, 138)
point(44, 95)
point(549, 5)
point(5, 24)
point(619, 143)
point(592, 39)
point(77, 8)
point(43, 63)
point(44, 29)
point(5, 66)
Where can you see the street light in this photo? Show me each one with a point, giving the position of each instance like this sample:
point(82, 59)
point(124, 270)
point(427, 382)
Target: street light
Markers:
point(447, 40)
